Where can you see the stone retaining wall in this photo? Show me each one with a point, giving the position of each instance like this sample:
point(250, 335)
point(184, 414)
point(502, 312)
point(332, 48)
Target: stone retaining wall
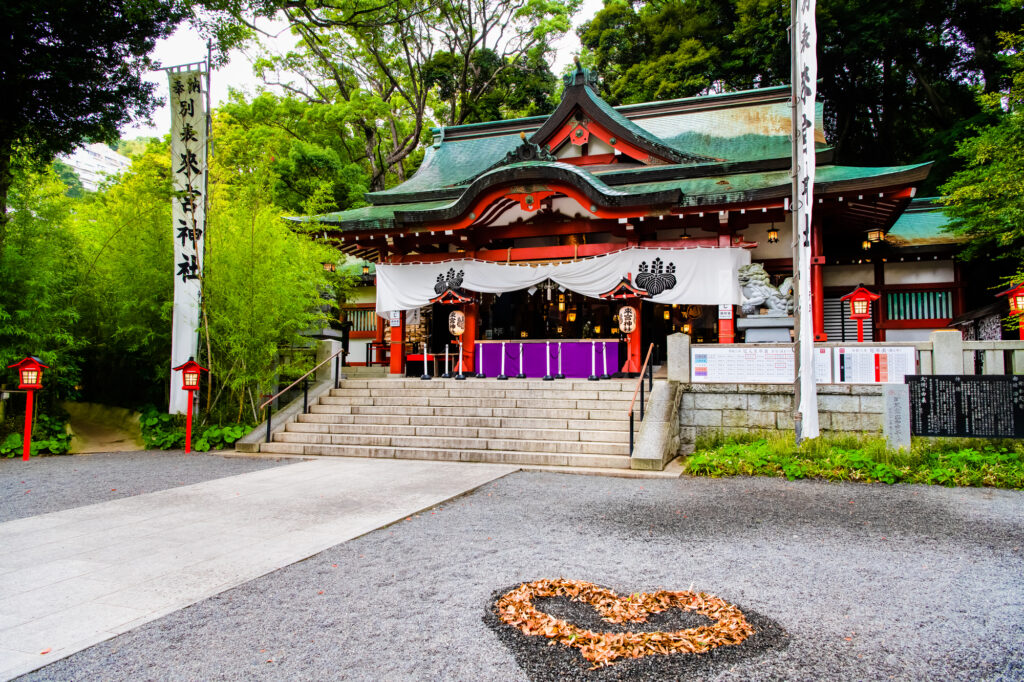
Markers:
point(741, 408)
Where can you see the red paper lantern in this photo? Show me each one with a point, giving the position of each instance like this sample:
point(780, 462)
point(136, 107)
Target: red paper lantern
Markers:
point(1016, 297)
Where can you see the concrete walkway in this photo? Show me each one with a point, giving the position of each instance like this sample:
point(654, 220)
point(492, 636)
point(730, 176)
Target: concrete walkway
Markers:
point(76, 577)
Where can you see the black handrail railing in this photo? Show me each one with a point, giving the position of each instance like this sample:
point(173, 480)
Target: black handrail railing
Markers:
point(646, 371)
point(268, 403)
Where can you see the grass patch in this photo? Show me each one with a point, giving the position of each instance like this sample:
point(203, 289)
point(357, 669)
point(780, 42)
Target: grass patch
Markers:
point(949, 462)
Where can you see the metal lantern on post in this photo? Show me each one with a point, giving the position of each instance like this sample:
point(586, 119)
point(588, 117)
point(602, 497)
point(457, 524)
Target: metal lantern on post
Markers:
point(190, 382)
point(30, 379)
point(860, 308)
point(1016, 297)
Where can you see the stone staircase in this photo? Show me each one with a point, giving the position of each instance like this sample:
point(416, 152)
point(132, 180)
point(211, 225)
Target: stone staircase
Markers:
point(528, 422)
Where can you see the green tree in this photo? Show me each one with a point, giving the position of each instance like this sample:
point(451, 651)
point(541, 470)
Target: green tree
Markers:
point(124, 290)
point(72, 71)
point(38, 278)
point(379, 61)
point(898, 79)
point(986, 198)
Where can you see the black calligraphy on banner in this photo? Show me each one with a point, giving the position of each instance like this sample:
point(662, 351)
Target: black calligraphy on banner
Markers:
point(188, 234)
point(188, 268)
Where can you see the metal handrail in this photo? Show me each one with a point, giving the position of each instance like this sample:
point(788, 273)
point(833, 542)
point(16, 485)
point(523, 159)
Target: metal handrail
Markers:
point(640, 381)
point(640, 389)
point(305, 389)
point(294, 383)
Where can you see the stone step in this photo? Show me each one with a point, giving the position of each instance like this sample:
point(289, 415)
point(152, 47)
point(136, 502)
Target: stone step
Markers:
point(487, 421)
point(448, 454)
point(431, 401)
point(492, 384)
point(478, 411)
point(449, 442)
point(434, 431)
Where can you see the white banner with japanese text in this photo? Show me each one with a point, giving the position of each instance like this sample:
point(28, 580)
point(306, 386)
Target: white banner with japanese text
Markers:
point(188, 215)
point(805, 91)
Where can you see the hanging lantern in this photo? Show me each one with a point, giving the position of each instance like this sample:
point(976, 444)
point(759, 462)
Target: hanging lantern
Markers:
point(866, 245)
point(366, 269)
point(875, 235)
point(668, 314)
point(773, 235)
point(572, 317)
point(329, 266)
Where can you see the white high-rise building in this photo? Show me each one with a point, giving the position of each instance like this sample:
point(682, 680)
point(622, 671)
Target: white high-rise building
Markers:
point(93, 163)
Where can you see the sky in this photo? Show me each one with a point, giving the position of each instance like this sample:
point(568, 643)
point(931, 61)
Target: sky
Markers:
point(187, 46)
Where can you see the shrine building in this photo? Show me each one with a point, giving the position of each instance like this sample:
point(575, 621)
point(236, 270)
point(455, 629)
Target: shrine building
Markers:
point(540, 230)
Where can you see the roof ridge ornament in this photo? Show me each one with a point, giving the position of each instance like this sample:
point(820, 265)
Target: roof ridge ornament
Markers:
point(526, 151)
point(580, 76)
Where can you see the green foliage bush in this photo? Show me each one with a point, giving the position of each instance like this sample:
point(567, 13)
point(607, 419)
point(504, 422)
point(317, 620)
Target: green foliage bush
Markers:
point(931, 461)
point(162, 431)
point(49, 435)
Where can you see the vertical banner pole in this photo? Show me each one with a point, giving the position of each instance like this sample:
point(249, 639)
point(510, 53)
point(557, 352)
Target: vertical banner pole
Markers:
point(547, 362)
point(189, 133)
point(521, 375)
point(593, 361)
point(804, 73)
point(560, 375)
point(604, 353)
point(426, 375)
point(447, 374)
point(502, 376)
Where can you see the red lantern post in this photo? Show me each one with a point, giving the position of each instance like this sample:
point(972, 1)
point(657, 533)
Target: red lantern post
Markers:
point(1016, 298)
point(30, 378)
point(860, 308)
point(190, 382)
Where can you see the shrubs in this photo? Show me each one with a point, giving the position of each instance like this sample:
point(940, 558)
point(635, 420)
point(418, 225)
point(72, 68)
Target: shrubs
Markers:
point(932, 461)
point(162, 431)
point(49, 435)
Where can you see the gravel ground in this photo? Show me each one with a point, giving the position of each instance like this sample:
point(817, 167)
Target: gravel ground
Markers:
point(863, 582)
point(49, 484)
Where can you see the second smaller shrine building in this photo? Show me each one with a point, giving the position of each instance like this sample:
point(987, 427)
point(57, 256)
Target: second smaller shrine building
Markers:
point(541, 229)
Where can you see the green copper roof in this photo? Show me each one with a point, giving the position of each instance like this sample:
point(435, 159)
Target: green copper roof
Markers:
point(370, 217)
point(745, 186)
point(453, 163)
point(922, 224)
point(743, 133)
point(699, 191)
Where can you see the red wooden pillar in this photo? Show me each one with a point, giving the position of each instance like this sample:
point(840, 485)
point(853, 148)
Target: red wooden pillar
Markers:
point(634, 349)
point(398, 346)
point(472, 313)
point(817, 281)
point(726, 327)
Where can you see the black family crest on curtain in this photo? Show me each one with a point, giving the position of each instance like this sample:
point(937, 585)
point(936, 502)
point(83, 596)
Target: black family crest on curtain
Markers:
point(451, 280)
point(656, 278)
point(447, 288)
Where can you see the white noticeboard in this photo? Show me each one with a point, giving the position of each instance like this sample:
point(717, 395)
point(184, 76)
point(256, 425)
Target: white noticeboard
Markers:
point(873, 365)
point(396, 318)
point(753, 365)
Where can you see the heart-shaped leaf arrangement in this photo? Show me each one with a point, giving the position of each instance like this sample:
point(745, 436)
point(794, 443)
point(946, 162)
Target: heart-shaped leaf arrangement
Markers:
point(517, 609)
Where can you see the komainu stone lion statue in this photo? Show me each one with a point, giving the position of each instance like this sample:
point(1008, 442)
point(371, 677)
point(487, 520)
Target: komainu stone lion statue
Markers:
point(758, 292)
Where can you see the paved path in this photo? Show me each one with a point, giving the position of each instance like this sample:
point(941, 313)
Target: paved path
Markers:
point(76, 577)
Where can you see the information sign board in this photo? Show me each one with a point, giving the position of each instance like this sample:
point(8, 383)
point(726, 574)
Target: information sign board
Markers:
point(724, 311)
point(873, 364)
point(754, 365)
point(985, 406)
point(396, 318)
